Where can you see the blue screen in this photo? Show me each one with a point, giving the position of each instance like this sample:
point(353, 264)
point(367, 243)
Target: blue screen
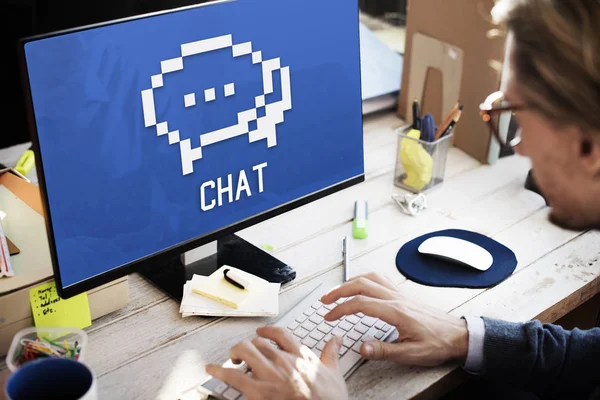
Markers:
point(162, 129)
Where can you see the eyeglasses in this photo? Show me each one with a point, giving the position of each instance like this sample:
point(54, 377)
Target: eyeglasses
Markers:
point(495, 110)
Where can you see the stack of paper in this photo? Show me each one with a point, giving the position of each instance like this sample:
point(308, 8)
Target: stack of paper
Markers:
point(214, 296)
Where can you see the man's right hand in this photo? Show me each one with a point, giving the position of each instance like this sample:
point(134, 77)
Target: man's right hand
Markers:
point(428, 337)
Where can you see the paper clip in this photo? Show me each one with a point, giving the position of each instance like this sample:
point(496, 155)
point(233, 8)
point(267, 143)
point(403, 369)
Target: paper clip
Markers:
point(411, 204)
point(41, 347)
point(32, 349)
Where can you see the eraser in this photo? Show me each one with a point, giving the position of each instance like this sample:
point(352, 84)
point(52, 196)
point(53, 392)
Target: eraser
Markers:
point(359, 225)
point(238, 278)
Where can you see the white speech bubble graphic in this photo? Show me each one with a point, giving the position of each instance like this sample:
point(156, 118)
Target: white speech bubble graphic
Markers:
point(265, 126)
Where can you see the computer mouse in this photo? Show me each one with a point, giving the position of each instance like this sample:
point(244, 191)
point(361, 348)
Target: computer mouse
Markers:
point(457, 250)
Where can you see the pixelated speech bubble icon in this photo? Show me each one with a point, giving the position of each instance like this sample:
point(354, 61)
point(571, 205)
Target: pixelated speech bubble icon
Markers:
point(265, 125)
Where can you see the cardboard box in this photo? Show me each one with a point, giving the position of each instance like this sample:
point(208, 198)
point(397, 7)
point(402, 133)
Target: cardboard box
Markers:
point(463, 24)
point(24, 225)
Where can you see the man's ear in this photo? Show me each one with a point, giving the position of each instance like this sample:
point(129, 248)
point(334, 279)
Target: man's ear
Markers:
point(590, 154)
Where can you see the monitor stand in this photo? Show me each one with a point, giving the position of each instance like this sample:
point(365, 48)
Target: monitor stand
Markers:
point(169, 275)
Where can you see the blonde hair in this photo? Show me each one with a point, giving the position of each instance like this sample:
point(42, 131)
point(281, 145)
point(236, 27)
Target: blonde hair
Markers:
point(556, 57)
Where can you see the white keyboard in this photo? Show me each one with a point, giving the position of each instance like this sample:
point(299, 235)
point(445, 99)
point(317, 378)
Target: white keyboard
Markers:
point(306, 322)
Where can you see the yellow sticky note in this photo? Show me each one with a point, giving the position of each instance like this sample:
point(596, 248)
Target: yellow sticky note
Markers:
point(218, 289)
point(215, 287)
point(49, 309)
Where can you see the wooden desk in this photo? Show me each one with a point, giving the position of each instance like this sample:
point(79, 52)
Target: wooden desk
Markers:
point(148, 351)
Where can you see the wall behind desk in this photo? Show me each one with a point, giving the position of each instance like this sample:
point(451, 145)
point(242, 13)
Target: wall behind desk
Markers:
point(465, 24)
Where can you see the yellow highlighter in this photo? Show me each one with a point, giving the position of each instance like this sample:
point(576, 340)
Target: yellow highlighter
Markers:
point(26, 162)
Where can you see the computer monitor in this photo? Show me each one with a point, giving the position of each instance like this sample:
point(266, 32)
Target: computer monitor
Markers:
point(23, 18)
point(161, 133)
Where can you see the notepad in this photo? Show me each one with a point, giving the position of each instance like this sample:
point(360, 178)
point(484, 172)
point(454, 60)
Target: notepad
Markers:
point(201, 296)
point(217, 288)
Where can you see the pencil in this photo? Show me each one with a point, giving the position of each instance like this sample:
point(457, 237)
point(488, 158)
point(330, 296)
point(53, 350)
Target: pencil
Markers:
point(452, 124)
point(446, 121)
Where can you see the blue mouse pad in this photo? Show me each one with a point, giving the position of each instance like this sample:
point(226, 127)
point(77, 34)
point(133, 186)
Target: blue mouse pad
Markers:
point(431, 271)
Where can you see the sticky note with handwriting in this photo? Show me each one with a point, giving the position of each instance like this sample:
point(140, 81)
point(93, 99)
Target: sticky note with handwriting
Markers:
point(49, 309)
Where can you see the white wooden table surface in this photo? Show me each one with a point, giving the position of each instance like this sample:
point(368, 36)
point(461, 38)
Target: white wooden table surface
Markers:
point(147, 351)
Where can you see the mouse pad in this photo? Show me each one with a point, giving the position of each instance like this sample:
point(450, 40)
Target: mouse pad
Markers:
point(431, 271)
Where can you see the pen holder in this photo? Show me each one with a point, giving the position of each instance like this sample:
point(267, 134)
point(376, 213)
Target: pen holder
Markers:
point(420, 165)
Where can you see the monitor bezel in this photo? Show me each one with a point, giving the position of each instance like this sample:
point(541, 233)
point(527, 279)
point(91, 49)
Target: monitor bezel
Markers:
point(133, 266)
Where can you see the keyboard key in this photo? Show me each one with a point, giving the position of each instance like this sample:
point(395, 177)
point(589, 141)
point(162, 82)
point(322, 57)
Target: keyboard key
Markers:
point(340, 300)
point(361, 328)
point(379, 324)
point(293, 326)
point(343, 350)
point(317, 305)
point(324, 328)
point(360, 315)
point(330, 306)
point(315, 319)
point(357, 347)
point(301, 318)
point(327, 337)
point(301, 332)
point(322, 311)
point(321, 345)
point(309, 312)
point(354, 335)
point(241, 366)
point(349, 360)
point(221, 388)
point(386, 327)
point(333, 323)
point(317, 352)
point(368, 321)
point(348, 342)
point(345, 326)
point(353, 319)
point(379, 335)
point(370, 335)
point(309, 326)
point(317, 335)
point(309, 342)
point(338, 332)
point(231, 394)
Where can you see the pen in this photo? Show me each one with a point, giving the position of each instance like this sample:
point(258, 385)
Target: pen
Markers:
point(346, 258)
point(416, 115)
point(449, 129)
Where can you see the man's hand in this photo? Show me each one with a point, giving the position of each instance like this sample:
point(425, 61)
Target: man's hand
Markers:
point(291, 372)
point(428, 337)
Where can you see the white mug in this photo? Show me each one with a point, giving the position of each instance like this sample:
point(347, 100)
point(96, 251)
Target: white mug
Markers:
point(52, 378)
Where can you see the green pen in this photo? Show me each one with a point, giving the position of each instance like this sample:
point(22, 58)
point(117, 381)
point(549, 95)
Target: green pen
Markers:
point(359, 226)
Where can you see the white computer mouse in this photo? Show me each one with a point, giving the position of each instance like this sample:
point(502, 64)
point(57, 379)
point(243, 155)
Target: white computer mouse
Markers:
point(458, 251)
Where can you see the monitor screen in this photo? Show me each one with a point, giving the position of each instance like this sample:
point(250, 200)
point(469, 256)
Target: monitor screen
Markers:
point(157, 131)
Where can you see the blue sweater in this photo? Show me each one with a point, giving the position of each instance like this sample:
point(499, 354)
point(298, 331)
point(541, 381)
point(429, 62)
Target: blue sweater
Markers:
point(544, 359)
